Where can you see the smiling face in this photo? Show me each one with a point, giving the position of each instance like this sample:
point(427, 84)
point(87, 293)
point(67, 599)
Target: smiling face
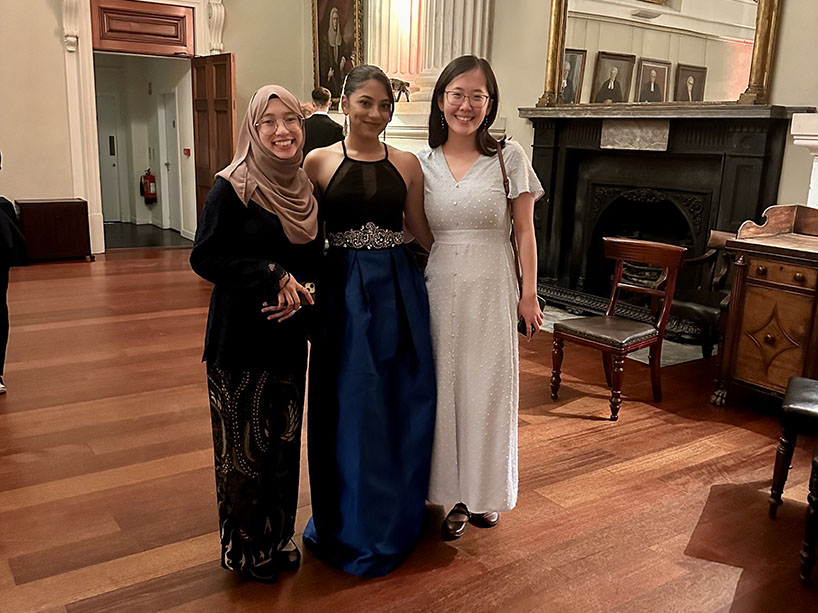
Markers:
point(284, 142)
point(465, 118)
point(369, 108)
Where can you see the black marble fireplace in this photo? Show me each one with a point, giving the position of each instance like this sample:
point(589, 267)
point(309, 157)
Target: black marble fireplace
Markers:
point(669, 173)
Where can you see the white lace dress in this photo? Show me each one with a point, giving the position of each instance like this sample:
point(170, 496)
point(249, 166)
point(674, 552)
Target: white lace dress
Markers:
point(473, 301)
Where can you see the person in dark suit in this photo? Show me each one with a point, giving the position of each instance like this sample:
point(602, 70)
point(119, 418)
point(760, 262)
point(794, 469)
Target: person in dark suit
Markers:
point(610, 90)
point(319, 129)
point(651, 92)
point(12, 253)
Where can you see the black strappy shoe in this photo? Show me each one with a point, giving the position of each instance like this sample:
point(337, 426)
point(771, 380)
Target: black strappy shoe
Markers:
point(289, 559)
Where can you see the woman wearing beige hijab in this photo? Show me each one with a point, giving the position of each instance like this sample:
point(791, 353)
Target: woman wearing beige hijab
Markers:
point(256, 242)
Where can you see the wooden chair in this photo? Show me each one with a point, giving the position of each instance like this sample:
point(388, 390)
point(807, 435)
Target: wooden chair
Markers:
point(616, 336)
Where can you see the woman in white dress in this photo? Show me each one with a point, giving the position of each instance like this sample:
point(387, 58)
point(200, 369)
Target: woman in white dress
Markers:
point(473, 295)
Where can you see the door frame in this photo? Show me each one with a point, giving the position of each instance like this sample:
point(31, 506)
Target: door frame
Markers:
point(208, 20)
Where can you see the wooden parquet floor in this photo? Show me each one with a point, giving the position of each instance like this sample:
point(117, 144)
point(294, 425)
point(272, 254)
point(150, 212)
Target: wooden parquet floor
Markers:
point(107, 494)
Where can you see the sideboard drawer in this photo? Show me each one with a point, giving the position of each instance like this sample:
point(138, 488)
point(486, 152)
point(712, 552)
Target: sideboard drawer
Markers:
point(786, 274)
point(773, 336)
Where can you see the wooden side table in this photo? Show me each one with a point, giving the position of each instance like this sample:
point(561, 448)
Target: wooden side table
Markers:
point(772, 333)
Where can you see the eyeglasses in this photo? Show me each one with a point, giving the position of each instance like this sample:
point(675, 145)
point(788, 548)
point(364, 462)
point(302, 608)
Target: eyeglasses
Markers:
point(476, 100)
point(268, 126)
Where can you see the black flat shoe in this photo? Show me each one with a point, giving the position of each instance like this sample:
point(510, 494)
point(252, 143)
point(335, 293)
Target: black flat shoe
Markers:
point(484, 520)
point(266, 573)
point(454, 526)
point(289, 559)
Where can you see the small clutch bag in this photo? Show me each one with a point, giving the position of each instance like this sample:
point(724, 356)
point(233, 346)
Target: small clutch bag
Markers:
point(310, 287)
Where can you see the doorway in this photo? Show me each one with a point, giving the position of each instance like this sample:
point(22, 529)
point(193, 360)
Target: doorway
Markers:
point(145, 124)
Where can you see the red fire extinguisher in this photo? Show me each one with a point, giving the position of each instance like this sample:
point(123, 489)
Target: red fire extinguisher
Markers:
point(147, 187)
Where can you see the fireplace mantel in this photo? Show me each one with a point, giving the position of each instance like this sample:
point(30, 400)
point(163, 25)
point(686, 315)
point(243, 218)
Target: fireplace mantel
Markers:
point(698, 166)
point(676, 110)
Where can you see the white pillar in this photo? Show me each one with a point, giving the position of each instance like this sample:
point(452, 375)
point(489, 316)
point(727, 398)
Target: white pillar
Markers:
point(395, 37)
point(805, 133)
point(452, 28)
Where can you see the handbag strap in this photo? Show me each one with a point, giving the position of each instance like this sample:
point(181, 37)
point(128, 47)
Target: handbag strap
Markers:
point(506, 187)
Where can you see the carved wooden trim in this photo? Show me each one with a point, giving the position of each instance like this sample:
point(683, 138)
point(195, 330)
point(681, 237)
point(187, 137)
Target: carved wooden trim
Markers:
point(142, 27)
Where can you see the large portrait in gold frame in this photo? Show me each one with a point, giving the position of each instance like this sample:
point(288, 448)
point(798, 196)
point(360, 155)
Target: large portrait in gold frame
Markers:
point(337, 35)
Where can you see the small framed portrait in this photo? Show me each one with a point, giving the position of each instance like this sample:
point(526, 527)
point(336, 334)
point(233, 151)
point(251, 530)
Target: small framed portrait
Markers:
point(689, 83)
point(573, 69)
point(652, 80)
point(337, 35)
point(612, 77)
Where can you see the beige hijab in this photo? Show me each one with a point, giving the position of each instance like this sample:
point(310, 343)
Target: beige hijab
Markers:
point(280, 186)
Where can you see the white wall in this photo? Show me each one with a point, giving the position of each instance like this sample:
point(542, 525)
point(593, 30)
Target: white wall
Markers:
point(518, 50)
point(795, 82)
point(272, 42)
point(34, 135)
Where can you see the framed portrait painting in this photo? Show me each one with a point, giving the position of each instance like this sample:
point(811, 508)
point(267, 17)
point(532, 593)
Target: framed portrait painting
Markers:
point(652, 80)
point(337, 41)
point(573, 69)
point(612, 77)
point(689, 83)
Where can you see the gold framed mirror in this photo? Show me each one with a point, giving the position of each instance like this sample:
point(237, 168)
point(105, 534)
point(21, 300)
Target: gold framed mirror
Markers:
point(686, 77)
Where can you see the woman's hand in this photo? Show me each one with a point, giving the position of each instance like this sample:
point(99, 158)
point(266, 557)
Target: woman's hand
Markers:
point(289, 300)
point(529, 309)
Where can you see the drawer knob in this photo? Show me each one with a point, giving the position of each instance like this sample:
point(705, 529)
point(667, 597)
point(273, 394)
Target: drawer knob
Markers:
point(799, 277)
point(769, 339)
point(761, 271)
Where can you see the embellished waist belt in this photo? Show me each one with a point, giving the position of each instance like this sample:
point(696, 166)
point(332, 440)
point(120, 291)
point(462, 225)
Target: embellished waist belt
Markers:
point(370, 236)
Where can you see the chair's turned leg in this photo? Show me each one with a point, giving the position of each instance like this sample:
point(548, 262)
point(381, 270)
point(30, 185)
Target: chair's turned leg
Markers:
point(808, 552)
point(616, 385)
point(556, 365)
point(606, 364)
point(656, 372)
point(783, 458)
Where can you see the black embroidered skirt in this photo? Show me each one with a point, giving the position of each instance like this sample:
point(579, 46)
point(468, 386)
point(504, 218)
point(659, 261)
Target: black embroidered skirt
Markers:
point(256, 416)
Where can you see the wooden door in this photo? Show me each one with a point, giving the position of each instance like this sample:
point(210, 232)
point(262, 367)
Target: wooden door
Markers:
point(214, 119)
point(107, 131)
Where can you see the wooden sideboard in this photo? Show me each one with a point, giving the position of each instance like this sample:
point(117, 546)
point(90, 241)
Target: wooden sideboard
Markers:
point(772, 329)
point(55, 229)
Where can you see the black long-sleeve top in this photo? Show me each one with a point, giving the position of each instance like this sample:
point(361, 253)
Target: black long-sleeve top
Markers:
point(244, 252)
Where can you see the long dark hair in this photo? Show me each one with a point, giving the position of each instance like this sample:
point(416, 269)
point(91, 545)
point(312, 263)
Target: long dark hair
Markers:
point(363, 73)
point(438, 131)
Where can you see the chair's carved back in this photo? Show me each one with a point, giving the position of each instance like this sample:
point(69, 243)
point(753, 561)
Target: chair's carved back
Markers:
point(668, 257)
